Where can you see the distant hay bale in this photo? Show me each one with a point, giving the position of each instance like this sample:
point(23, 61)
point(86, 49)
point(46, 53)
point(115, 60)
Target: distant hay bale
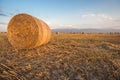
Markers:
point(57, 32)
point(25, 32)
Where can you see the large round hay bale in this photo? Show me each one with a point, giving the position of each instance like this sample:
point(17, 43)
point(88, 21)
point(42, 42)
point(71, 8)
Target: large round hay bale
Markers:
point(25, 32)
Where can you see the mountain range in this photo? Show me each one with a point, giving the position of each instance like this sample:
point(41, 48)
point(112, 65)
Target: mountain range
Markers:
point(86, 30)
point(82, 30)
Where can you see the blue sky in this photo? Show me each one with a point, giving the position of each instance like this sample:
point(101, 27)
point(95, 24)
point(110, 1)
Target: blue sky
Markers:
point(81, 14)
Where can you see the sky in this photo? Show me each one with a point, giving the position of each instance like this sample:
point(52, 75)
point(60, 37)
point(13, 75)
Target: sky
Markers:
point(79, 14)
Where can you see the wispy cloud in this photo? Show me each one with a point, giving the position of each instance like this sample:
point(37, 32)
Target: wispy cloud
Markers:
point(101, 16)
point(5, 13)
point(2, 13)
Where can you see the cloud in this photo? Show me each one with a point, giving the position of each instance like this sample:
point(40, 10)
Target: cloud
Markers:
point(57, 26)
point(3, 28)
point(100, 16)
point(5, 13)
point(67, 25)
point(115, 23)
point(108, 24)
point(3, 23)
point(2, 14)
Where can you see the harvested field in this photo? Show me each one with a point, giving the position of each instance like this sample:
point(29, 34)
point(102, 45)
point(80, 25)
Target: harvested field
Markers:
point(66, 57)
point(26, 32)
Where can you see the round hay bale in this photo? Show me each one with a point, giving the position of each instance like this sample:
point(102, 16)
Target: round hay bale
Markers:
point(25, 32)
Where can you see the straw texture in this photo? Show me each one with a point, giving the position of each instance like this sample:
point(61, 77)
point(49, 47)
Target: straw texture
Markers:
point(25, 32)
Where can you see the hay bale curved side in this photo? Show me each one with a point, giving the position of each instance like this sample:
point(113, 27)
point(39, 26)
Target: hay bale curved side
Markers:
point(25, 32)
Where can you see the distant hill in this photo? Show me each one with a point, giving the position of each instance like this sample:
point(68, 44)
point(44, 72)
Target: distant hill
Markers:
point(86, 30)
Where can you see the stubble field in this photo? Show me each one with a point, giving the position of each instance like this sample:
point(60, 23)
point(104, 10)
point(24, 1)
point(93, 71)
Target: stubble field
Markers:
point(68, 56)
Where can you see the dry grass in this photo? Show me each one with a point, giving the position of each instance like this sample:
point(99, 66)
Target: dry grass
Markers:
point(65, 57)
